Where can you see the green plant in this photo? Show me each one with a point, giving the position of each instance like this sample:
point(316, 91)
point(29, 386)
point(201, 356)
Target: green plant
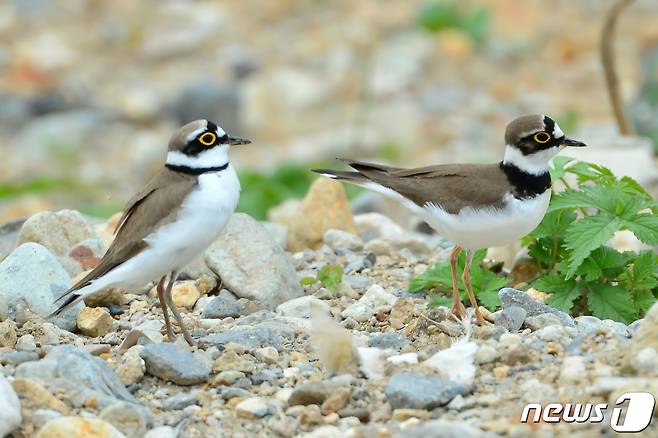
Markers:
point(438, 278)
point(330, 276)
point(449, 14)
point(578, 269)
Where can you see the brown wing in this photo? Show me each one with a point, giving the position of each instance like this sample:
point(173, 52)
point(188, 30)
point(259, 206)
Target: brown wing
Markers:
point(156, 205)
point(451, 186)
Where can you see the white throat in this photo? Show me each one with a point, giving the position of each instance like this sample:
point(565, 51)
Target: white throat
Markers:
point(215, 157)
point(534, 164)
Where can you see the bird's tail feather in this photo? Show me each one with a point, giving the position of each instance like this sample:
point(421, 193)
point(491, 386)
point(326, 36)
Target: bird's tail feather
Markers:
point(354, 177)
point(70, 300)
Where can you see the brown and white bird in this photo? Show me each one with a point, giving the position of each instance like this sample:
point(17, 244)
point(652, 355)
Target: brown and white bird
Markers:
point(475, 206)
point(172, 220)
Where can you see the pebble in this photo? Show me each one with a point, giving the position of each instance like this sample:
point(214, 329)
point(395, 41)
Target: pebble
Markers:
point(510, 318)
point(59, 232)
point(592, 325)
point(511, 297)
point(185, 294)
point(94, 321)
point(34, 395)
point(26, 343)
point(174, 363)
point(254, 407)
point(224, 305)
point(251, 337)
point(132, 368)
point(444, 429)
point(336, 401)
point(324, 208)
point(10, 414)
point(179, 401)
point(542, 320)
point(162, 432)
point(81, 374)
point(573, 370)
point(251, 264)
point(227, 377)
point(389, 340)
point(268, 355)
point(554, 333)
point(311, 393)
point(31, 274)
point(301, 307)
point(417, 391)
point(485, 354)
point(8, 335)
point(127, 419)
point(405, 414)
point(67, 427)
point(369, 303)
point(337, 239)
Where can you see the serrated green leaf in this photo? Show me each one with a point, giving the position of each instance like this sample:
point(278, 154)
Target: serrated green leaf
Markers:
point(572, 199)
point(563, 292)
point(439, 301)
point(611, 302)
point(642, 274)
point(643, 300)
point(603, 262)
point(587, 234)
point(489, 298)
point(554, 224)
point(644, 226)
point(306, 281)
point(558, 167)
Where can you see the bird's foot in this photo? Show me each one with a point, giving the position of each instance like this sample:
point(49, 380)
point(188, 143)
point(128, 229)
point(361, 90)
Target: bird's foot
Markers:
point(458, 310)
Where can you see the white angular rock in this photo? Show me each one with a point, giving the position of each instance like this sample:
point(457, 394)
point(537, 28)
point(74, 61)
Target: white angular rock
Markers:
point(10, 413)
point(456, 362)
point(32, 275)
point(251, 264)
point(301, 307)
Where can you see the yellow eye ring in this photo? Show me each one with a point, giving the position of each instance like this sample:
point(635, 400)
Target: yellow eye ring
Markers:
point(542, 137)
point(207, 139)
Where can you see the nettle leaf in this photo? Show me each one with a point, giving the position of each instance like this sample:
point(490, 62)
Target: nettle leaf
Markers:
point(558, 168)
point(489, 298)
point(607, 301)
point(563, 292)
point(438, 275)
point(643, 300)
point(587, 234)
point(554, 224)
point(572, 199)
point(603, 262)
point(331, 276)
point(440, 301)
point(643, 273)
point(644, 226)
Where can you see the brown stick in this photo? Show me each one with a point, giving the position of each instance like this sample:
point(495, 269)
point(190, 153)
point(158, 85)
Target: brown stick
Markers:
point(609, 66)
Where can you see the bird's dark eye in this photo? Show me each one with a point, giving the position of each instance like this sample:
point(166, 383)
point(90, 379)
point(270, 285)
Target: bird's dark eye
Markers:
point(207, 139)
point(542, 137)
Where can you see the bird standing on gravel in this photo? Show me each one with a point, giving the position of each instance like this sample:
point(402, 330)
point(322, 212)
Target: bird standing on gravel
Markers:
point(475, 206)
point(172, 220)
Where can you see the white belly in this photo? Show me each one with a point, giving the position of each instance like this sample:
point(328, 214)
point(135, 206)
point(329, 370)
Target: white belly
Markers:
point(203, 216)
point(475, 229)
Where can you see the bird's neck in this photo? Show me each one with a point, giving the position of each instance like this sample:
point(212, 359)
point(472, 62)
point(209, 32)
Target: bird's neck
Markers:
point(212, 160)
point(525, 185)
point(533, 164)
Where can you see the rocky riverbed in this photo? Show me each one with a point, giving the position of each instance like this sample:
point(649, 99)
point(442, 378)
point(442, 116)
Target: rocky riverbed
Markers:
point(275, 358)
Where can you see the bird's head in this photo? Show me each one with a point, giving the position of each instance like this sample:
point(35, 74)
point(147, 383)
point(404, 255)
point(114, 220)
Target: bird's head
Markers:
point(200, 144)
point(531, 141)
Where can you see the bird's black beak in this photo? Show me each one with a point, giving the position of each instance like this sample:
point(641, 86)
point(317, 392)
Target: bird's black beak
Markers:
point(566, 141)
point(237, 140)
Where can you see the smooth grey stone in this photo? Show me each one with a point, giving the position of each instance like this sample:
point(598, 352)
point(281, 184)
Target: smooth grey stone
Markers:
point(174, 363)
point(252, 265)
point(18, 357)
point(417, 391)
point(510, 318)
point(511, 297)
point(179, 401)
point(232, 392)
point(444, 429)
point(252, 337)
point(78, 372)
point(389, 340)
point(127, 419)
point(542, 320)
point(31, 275)
point(222, 306)
point(593, 325)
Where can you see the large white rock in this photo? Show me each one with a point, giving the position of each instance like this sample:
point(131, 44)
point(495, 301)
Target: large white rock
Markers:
point(31, 275)
point(251, 264)
point(10, 411)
